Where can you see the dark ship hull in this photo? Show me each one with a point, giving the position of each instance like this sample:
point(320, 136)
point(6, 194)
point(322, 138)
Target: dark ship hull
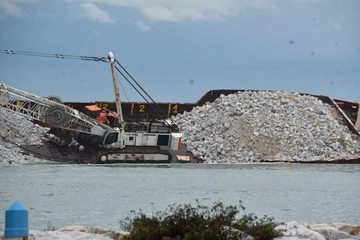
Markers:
point(145, 112)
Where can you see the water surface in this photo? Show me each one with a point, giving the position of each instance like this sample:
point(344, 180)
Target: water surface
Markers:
point(101, 195)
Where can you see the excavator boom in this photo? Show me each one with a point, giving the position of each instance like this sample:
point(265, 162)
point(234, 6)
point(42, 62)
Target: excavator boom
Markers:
point(116, 91)
point(49, 110)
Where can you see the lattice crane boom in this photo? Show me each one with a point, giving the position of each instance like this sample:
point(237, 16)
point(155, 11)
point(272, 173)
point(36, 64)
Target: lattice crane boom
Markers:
point(49, 110)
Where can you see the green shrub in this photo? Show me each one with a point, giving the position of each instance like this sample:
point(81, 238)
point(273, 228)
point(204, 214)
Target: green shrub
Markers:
point(186, 222)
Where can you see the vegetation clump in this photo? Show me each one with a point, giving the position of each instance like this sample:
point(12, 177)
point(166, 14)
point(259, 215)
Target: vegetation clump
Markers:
point(185, 222)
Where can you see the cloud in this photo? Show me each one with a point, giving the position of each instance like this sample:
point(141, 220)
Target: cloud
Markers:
point(183, 10)
point(154, 10)
point(96, 14)
point(15, 8)
point(186, 11)
point(306, 0)
point(142, 26)
point(45, 14)
point(95, 32)
point(8, 7)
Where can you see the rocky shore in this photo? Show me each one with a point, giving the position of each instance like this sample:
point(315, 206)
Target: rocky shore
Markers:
point(291, 231)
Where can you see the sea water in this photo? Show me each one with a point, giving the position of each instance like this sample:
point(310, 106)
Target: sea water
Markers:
point(60, 195)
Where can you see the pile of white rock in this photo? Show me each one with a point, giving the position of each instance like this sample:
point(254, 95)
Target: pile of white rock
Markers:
point(290, 231)
point(251, 126)
point(247, 126)
point(16, 130)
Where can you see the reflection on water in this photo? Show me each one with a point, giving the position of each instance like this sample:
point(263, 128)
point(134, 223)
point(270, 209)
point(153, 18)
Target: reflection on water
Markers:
point(101, 195)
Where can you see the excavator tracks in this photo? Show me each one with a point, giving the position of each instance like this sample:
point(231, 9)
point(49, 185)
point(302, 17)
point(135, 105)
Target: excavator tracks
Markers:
point(92, 154)
point(134, 155)
point(63, 154)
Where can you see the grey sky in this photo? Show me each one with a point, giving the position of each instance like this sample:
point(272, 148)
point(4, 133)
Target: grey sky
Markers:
point(178, 50)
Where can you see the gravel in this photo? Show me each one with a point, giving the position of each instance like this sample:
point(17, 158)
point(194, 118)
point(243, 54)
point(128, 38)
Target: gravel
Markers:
point(251, 126)
point(16, 130)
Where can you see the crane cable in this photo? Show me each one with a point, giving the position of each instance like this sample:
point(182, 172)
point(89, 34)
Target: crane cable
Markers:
point(51, 55)
point(87, 58)
point(147, 101)
point(162, 112)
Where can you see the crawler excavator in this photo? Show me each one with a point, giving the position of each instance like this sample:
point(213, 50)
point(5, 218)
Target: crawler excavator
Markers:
point(67, 124)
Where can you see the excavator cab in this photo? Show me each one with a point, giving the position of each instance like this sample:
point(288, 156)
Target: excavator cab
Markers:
point(114, 139)
point(92, 111)
point(108, 118)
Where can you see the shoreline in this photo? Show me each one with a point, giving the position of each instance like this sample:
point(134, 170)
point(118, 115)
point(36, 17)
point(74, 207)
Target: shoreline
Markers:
point(291, 230)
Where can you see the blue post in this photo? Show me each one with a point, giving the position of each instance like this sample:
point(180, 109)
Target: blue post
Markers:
point(16, 221)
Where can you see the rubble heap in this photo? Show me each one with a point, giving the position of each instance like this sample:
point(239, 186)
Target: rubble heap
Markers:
point(251, 126)
point(247, 126)
point(16, 130)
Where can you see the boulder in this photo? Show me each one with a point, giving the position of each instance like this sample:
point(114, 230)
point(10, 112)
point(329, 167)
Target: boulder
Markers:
point(110, 233)
point(355, 231)
point(71, 228)
point(295, 230)
point(343, 227)
point(99, 231)
point(334, 234)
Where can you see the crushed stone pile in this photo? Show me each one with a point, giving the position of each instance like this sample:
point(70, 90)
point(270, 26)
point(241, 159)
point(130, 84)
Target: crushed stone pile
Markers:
point(247, 126)
point(251, 126)
point(16, 130)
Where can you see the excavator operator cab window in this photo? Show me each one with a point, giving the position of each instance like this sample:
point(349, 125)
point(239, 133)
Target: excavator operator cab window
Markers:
point(92, 111)
point(111, 138)
point(91, 114)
